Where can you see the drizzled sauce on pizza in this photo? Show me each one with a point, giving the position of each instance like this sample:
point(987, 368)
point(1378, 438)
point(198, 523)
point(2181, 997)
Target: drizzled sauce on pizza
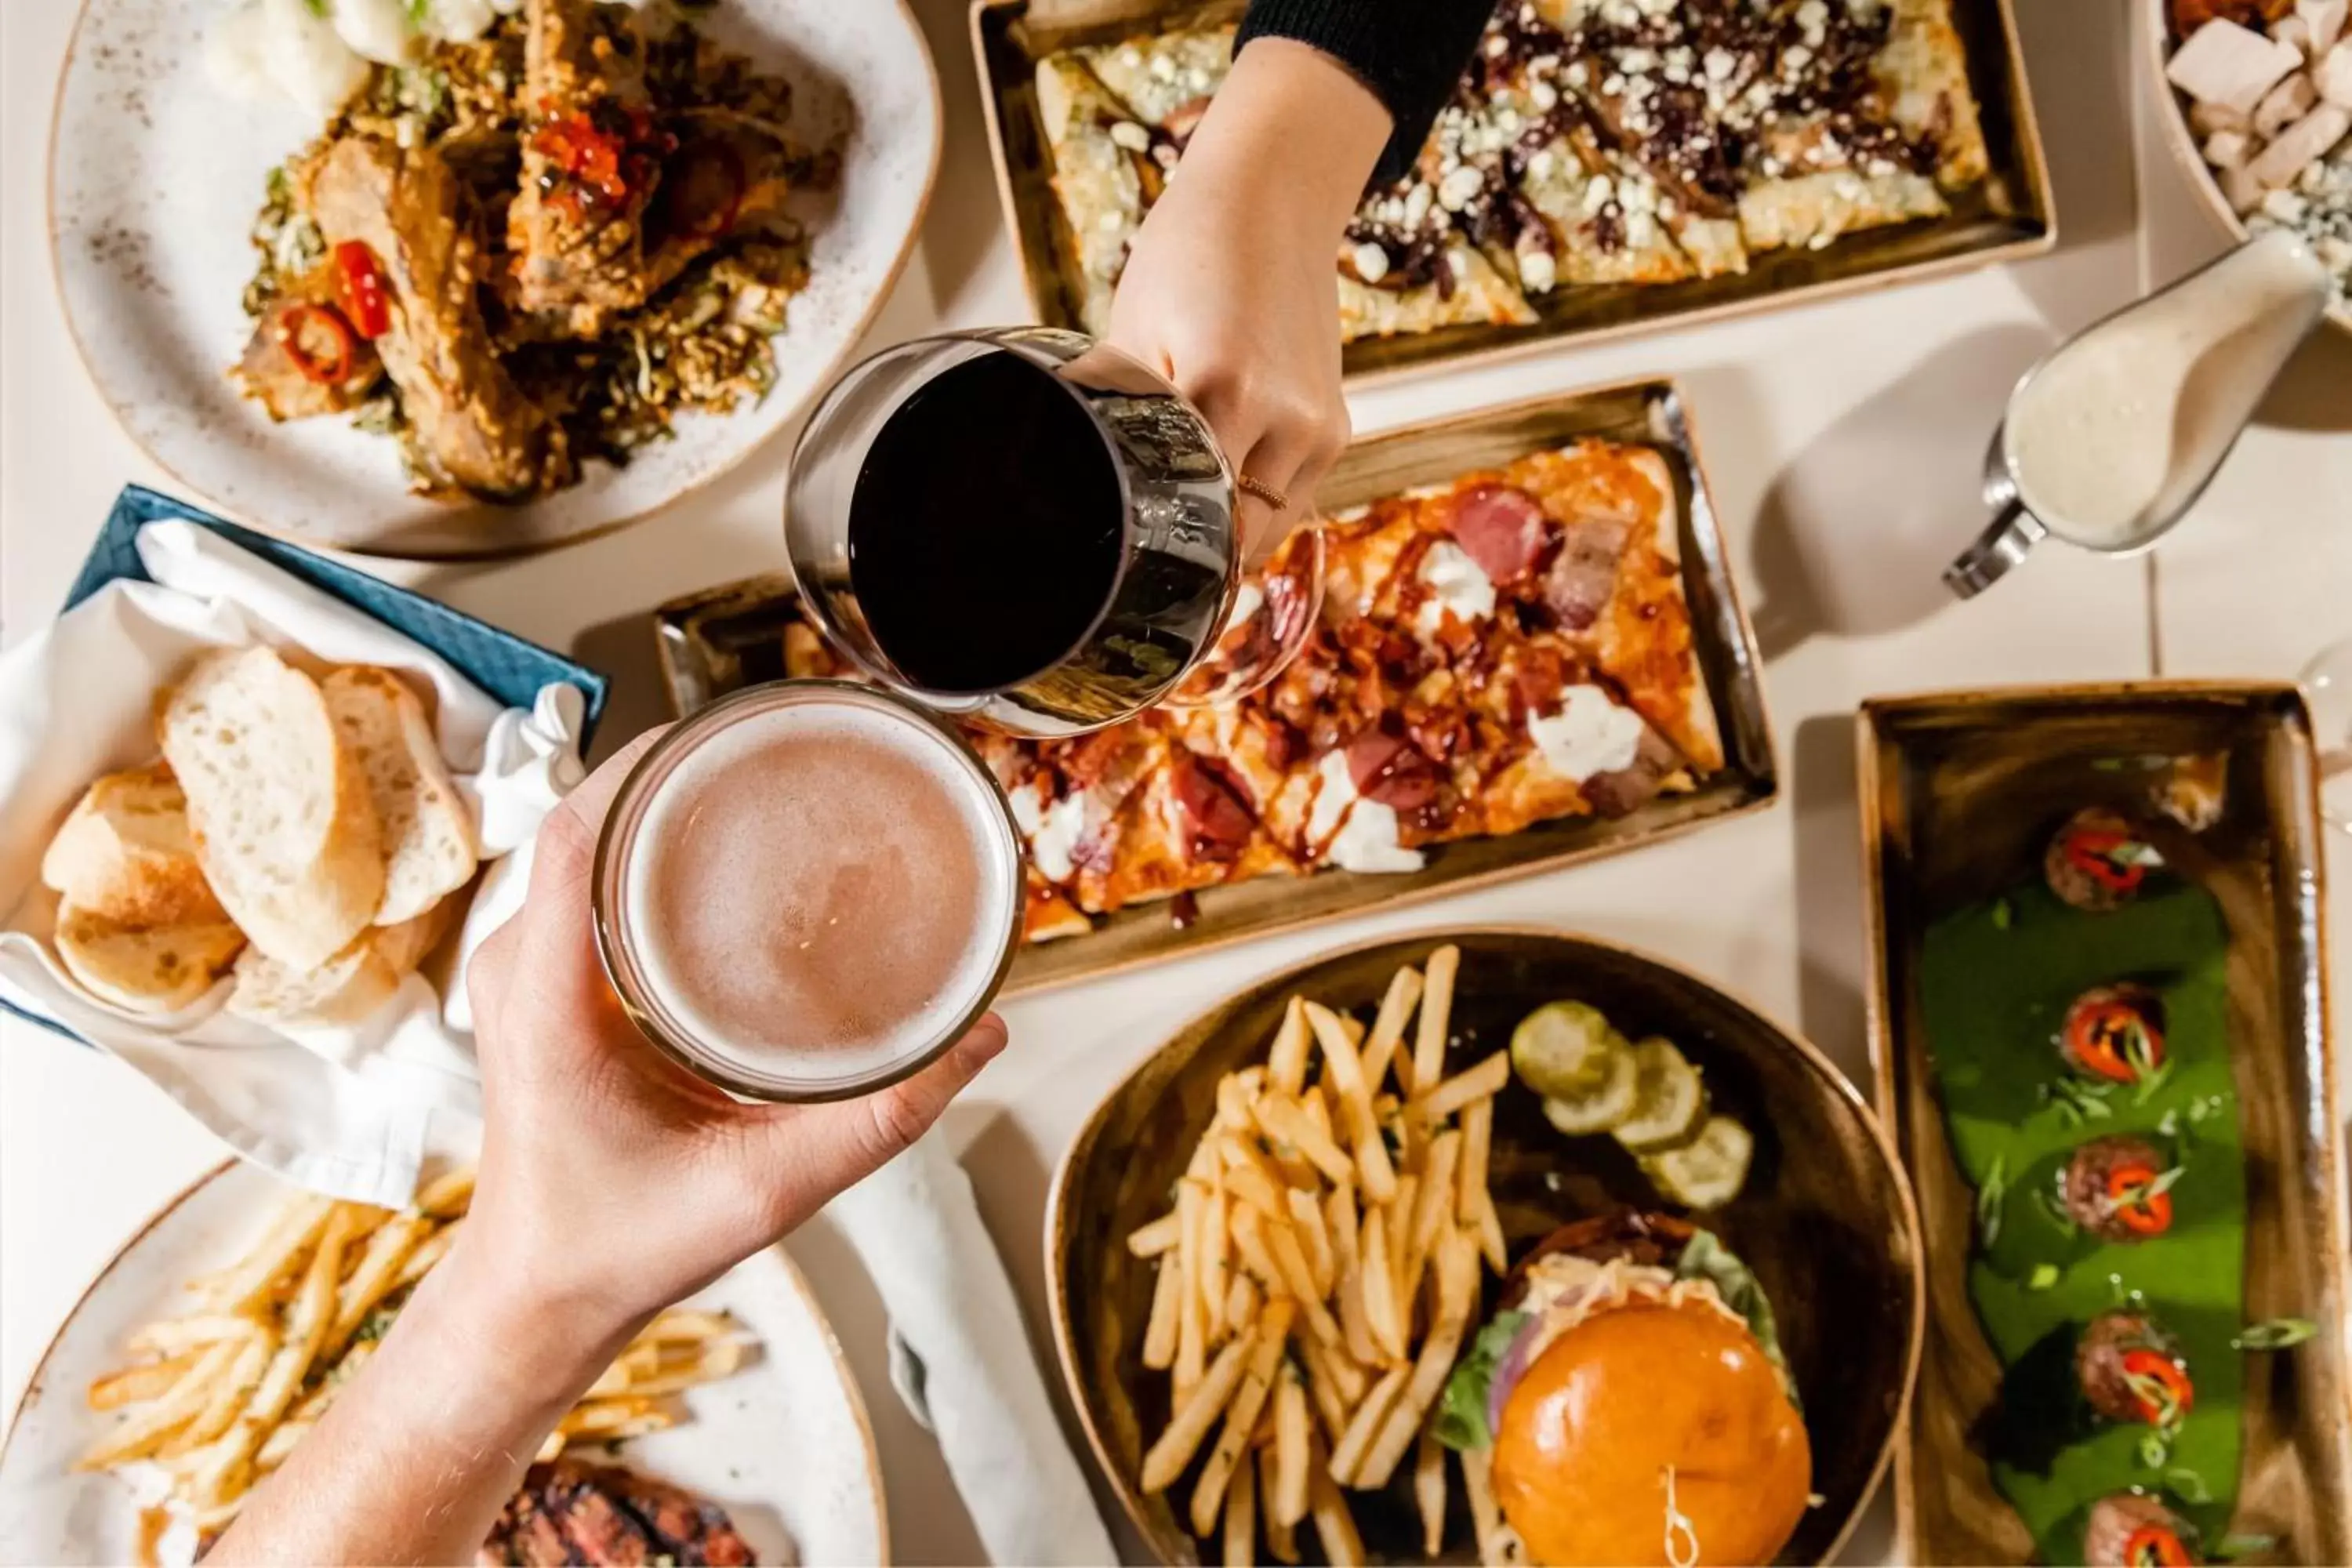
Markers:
point(1546, 672)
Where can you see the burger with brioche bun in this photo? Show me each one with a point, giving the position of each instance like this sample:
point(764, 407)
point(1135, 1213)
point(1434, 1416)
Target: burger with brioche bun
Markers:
point(1631, 1402)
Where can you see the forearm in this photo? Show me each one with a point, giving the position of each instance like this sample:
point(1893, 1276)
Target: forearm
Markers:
point(1407, 53)
point(414, 1460)
point(1291, 123)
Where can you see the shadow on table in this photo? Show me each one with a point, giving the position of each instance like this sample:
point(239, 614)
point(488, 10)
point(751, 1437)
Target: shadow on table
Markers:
point(2315, 391)
point(966, 223)
point(928, 1522)
point(623, 650)
point(1853, 536)
point(1833, 966)
point(1011, 1194)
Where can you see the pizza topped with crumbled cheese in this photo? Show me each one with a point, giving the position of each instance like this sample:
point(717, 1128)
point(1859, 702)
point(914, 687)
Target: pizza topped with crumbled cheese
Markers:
point(1508, 649)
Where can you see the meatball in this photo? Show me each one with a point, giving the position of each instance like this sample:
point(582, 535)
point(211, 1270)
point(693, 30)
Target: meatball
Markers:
point(2130, 1370)
point(2129, 1530)
point(2114, 1033)
point(2099, 860)
point(2111, 1188)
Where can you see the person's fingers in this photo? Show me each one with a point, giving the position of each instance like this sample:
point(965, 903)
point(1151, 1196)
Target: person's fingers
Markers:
point(566, 849)
point(1290, 459)
point(846, 1143)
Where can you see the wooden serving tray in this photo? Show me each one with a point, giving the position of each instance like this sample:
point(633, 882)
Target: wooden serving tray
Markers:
point(1959, 794)
point(2006, 216)
point(714, 642)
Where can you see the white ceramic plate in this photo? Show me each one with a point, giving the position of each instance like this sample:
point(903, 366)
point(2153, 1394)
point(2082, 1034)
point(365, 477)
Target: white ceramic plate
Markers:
point(783, 1445)
point(154, 178)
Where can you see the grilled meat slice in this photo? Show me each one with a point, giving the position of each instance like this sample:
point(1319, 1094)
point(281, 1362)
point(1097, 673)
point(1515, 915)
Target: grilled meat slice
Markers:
point(473, 429)
point(729, 174)
point(305, 358)
point(573, 1512)
point(591, 164)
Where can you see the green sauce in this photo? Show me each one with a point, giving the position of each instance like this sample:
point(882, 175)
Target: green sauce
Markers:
point(1996, 979)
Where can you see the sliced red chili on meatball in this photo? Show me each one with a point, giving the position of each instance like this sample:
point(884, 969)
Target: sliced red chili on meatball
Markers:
point(2099, 860)
point(2114, 1033)
point(2117, 1189)
point(2132, 1530)
point(2130, 1370)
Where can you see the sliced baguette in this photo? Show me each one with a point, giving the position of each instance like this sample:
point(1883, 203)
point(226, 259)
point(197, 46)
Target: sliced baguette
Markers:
point(282, 821)
point(162, 969)
point(125, 853)
point(430, 848)
point(345, 989)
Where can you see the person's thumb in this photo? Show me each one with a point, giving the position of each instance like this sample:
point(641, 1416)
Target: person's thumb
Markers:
point(841, 1144)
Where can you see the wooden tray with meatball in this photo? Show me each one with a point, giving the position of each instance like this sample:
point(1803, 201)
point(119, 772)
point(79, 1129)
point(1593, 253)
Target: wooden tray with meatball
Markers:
point(2099, 1026)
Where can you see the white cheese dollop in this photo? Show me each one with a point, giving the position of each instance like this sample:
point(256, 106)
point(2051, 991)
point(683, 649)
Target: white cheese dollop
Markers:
point(1055, 838)
point(1455, 582)
point(261, 49)
point(1590, 735)
point(375, 29)
point(1355, 833)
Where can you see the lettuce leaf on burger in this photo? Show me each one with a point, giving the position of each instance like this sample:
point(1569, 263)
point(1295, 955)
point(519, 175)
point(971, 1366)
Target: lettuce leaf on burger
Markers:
point(1632, 1402)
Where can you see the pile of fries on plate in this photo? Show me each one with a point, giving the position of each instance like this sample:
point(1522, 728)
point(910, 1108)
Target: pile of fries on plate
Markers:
point(1319, 1270)
point(219, 1396)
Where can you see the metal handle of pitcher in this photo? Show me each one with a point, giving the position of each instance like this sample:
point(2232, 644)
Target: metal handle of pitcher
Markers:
point(2013, 532)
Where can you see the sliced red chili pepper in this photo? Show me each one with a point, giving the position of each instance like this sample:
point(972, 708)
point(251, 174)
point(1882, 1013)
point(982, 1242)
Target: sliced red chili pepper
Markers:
point(2113, 1039)
point(2153, 1546)
point(2094, 852)
point(585, 155)
point(2144, 1212)
point(2160, 1386)
point(318, 341)
point(359, 286)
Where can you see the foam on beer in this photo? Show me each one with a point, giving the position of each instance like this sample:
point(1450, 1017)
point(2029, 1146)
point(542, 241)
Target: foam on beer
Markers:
point(819, 890)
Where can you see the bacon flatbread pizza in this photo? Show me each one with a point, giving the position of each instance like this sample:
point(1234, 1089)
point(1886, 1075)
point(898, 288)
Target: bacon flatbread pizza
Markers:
point(1507, 648)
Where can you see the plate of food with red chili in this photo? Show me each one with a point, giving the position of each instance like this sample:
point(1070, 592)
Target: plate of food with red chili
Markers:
point(444, 277)
point(2103, 1053)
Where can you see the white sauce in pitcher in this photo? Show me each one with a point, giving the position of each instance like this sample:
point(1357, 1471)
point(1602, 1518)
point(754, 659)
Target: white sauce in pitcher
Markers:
point(2111, 436)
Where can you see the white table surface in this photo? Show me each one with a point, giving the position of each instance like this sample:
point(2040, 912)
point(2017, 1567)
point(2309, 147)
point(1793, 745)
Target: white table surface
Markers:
point(1842, 441)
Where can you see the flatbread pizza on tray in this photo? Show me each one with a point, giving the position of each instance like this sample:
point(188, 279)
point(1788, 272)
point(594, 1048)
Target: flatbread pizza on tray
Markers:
point(1588, 142)
point(1509, 647)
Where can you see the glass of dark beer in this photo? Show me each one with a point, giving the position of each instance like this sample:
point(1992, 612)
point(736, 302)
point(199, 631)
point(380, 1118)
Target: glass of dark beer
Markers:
point(1026, 530)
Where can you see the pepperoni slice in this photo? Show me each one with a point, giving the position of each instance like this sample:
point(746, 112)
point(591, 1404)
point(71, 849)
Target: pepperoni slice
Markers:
point(1502, 528)
point(1213, 803)
point(1392, 770)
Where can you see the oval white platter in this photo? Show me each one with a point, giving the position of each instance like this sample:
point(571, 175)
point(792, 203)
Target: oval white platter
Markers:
point(783, 1444)
point(154, 179)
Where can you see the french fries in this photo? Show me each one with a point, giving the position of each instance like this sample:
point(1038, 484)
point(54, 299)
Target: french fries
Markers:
point(220, 1397)
point(1318, 1272)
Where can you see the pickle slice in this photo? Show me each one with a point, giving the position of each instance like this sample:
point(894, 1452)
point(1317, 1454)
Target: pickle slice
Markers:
point(1562, 1050)
point(1707, 1172)
point(1669, 1102)
point(1600, 1110)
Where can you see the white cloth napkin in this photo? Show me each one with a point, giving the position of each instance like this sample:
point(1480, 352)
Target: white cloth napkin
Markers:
point(959, 1358)
point(351, 1112)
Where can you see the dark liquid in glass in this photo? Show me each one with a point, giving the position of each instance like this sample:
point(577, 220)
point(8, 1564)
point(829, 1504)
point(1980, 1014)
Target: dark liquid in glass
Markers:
point(985, 529)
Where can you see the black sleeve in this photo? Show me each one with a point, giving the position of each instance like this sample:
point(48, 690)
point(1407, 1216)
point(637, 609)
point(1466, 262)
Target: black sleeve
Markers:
point(1410, 53)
